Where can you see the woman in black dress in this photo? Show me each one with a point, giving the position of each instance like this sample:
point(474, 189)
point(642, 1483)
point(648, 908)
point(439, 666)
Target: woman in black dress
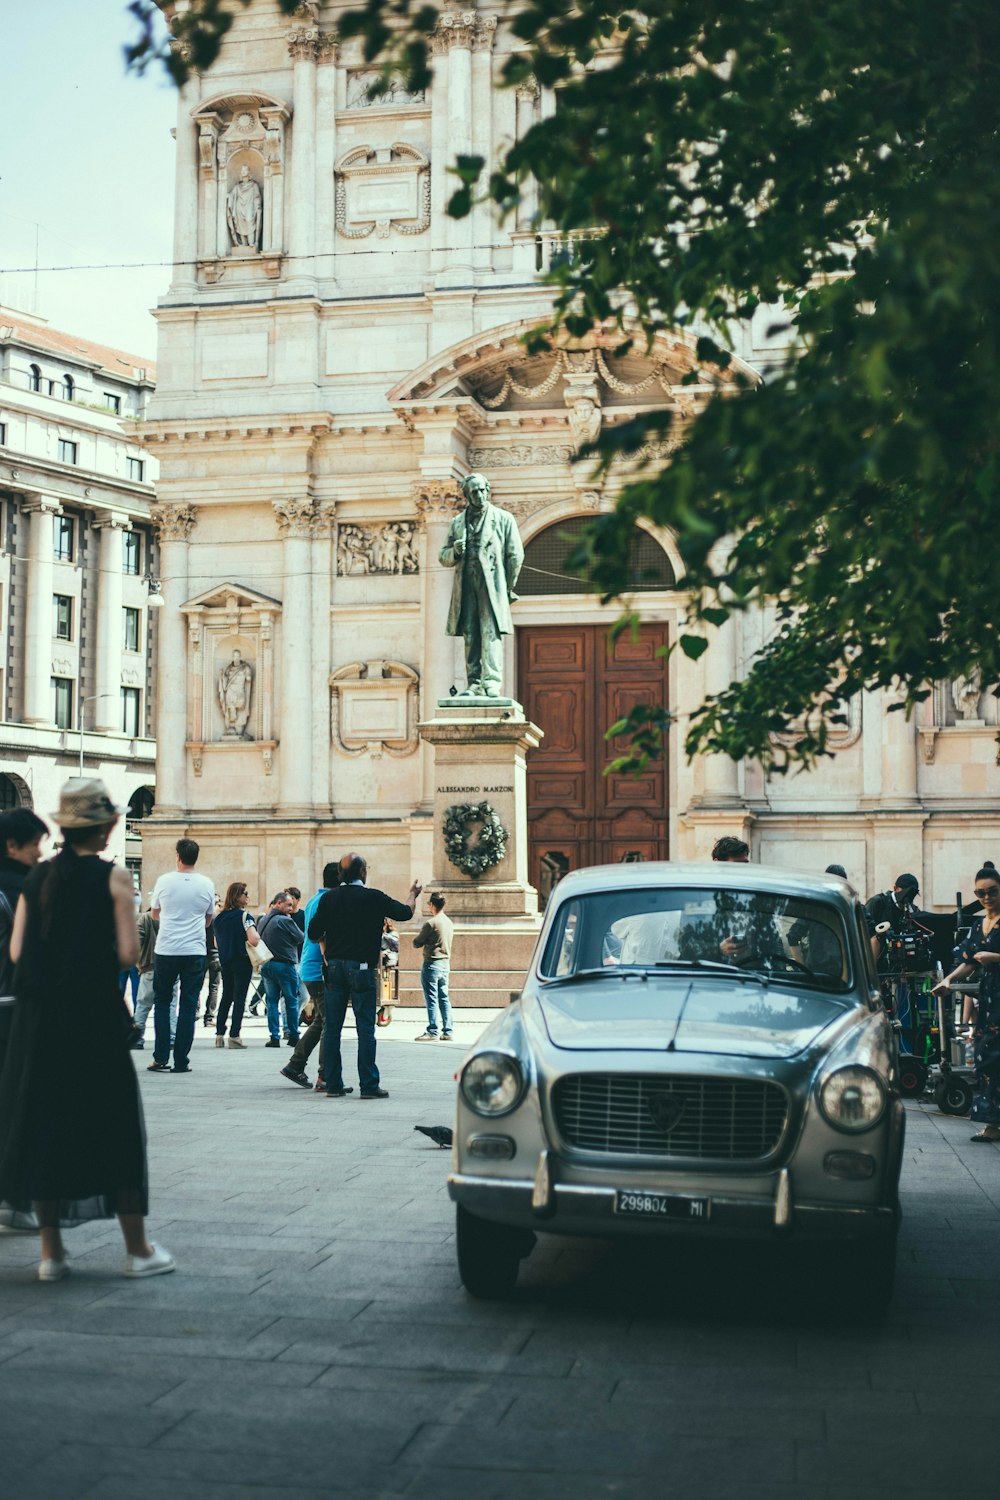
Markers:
point(982, 952)
point(72, 1141)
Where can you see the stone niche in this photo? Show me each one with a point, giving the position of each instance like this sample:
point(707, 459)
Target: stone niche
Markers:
point(230, 674)
point(382, 189)
point(242, 150)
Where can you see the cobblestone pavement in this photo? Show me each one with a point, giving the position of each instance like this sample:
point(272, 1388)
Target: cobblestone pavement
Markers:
point(315, 1339)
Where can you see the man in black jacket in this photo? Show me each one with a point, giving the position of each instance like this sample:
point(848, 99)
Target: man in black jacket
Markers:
point(21, 834)
point(348, 925)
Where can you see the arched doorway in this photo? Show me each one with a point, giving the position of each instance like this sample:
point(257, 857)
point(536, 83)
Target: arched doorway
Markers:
point(14, 792)
point(574, 683)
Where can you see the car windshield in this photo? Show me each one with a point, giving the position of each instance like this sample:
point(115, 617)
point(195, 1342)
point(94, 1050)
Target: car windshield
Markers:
point(785, 938)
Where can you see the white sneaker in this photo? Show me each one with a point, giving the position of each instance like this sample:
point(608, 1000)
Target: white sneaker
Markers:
point(53, 1270)
point(426, 1036)
point(157, 1264)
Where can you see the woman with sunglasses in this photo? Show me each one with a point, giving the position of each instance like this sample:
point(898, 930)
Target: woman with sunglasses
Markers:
point(982, 952)
point(234, 929)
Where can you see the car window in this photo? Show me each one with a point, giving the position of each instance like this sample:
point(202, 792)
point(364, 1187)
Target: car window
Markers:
point(785, 937)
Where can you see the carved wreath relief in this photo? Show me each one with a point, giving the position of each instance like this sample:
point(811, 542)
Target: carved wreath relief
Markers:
point(390, 548)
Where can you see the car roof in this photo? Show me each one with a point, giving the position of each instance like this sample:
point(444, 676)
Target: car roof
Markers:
point(710, 874)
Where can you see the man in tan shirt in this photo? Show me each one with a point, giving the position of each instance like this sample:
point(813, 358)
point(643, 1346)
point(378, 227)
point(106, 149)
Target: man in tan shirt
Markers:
point(435, 938)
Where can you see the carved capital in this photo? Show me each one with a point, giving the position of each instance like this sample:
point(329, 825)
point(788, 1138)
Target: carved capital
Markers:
point(41, 505)
point(312, 44)
point(437, 499)
point(527, 90)
point(297, 517)
point(112, 520)
point(173, 522)
point(464, 28)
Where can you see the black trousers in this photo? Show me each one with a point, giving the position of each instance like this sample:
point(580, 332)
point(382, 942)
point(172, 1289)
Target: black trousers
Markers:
point(236, 975)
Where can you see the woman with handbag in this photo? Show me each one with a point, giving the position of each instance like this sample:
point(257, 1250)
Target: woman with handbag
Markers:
point(72, 1140)
point(236, 936)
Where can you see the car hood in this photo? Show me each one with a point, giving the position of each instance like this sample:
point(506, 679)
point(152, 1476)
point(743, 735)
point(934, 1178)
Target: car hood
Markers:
point(700, 1015)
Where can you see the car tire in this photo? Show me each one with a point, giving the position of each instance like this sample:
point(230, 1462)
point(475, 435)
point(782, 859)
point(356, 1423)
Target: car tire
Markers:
point(953, 1096)
point(912, 1076)
point(489, 1255)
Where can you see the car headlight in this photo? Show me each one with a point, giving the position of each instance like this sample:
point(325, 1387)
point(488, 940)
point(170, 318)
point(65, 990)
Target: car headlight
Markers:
point(492, 1083)
point(852, 1098)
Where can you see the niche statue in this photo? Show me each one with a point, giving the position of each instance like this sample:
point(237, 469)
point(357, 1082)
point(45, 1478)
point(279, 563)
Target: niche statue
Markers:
point(244, 211)
point(235, 687)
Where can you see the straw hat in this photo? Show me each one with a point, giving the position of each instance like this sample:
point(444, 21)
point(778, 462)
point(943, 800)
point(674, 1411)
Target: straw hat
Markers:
point(86, 803)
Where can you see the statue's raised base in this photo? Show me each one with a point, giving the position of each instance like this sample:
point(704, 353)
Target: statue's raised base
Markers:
point(480, 806)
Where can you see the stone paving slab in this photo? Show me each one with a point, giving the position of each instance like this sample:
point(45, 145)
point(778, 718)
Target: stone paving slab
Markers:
point(315, 1340)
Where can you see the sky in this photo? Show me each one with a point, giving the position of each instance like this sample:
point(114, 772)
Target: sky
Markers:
point(87, 167)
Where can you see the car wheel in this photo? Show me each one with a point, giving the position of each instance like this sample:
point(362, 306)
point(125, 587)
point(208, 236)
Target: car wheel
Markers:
point(489, 1255)
point(953, 1096)
point(912, 1076)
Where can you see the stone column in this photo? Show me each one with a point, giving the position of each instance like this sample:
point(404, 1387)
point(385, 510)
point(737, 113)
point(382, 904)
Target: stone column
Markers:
point(326, 158)
point(297, 518)
point(899, 754)
point(480, 221)
point(107, 705)
point(303, 45)
point(722, 775)
point(440, 183)
point(37, 709)
point(209, 242)
point(174, 523)
point(526, 97)
point(186, 189)
point(455, 35)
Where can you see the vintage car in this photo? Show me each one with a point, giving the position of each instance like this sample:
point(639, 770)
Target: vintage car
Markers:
point(698, 1050)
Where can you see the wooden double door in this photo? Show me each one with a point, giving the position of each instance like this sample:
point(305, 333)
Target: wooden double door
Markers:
point(574, 684)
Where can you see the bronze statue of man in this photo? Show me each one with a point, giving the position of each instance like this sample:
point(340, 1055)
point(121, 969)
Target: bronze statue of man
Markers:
point(484, 547)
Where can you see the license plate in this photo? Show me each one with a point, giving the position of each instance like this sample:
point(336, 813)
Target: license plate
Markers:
point(663, 1206)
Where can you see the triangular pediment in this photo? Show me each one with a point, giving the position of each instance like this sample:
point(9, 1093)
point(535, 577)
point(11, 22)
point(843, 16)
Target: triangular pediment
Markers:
point(230, 596)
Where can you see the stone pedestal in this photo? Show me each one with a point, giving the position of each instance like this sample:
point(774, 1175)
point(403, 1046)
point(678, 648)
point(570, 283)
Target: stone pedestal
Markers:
point(479, 749)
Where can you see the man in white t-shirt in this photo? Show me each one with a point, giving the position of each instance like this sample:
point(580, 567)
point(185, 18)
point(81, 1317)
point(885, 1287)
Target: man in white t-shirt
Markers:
point(184, 904)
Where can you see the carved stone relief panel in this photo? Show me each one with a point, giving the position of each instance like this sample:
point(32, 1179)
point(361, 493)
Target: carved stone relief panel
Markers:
point(382, 188)
point(396, 96)
point(374, 707)
point(389, 548)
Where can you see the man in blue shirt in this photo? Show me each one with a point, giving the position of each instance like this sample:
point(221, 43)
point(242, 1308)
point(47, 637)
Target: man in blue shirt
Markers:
point(311, 973)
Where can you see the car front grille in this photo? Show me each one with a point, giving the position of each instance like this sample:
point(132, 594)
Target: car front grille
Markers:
point(629, 1114)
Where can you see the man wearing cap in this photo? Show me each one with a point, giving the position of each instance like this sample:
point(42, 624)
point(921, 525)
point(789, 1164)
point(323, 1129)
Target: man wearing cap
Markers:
point(184, 904)
point(894, 907)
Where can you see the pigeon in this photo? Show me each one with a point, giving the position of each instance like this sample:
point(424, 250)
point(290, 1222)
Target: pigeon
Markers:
point(439, 1133)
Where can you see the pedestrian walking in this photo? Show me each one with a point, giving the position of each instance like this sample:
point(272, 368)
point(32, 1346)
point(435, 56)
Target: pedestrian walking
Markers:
point(72, 1143)
point(348, 925)
point(234, 929)
point(435, 938)
point(298, 916)
point(981, 951)
point(214, 970)
point(281, 972)
point(148, 929)
point(184, 904)
point(311, 974)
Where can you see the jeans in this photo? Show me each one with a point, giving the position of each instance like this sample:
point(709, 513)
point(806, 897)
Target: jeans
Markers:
point(313, 1032)
point(236, 975)
point(281, 979)
point(144, 1004)
point(214, 981)
point(189, 968)
point(347, 983)
point(434, 982)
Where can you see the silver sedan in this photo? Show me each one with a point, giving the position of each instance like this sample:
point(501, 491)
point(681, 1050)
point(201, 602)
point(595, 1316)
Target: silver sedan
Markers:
point(698, 1050)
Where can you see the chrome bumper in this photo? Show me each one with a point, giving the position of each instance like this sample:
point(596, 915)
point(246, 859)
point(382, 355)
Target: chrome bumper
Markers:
point(573, 1209)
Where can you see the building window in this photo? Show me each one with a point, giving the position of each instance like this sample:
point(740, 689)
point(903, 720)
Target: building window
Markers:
point(64, 538)
point(133, 553)
point(69, 389)
point(131, 699)
point(131, 629)
point(3, 433)
point(140, 805)
point(62, 627)
point(113, 402)
point(35, 379)
point(67, 451)
point(136, 468)
point(547, 555)
point(14, 792)
point(62, 702)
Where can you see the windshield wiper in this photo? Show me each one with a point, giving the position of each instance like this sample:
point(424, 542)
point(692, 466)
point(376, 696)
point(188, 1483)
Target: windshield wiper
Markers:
point(609, 971)
point(703, 963)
